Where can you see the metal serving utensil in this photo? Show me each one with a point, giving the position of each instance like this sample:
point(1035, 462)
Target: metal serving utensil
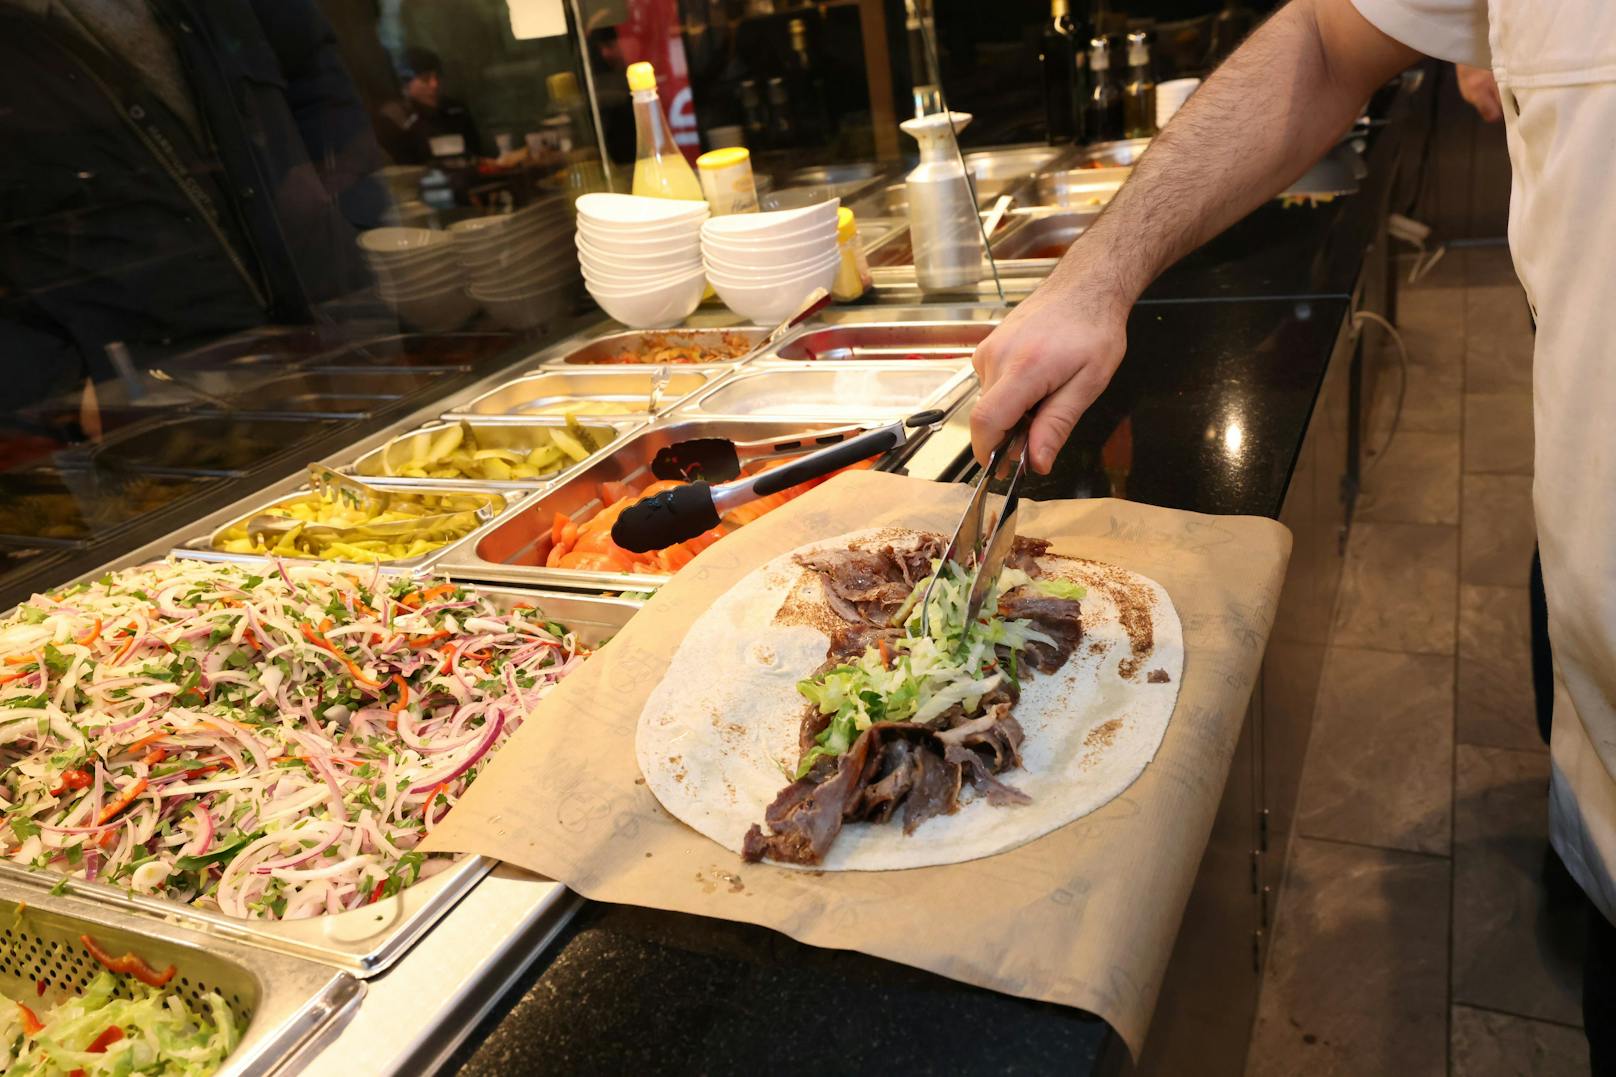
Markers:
point(969, 546)
point(659, 385)
point(717, 460)
point(334, 486)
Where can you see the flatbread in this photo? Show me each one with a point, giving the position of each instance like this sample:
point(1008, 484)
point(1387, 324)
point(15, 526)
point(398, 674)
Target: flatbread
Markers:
point(718, 736)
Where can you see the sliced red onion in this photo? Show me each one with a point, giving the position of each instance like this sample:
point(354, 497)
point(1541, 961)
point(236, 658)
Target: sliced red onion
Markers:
point(333, 832)
point(470, 761)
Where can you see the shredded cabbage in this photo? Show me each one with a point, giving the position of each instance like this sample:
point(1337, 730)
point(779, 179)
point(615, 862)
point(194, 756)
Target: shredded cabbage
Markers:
point(917, 678)
point(162, 1034)
point(273, 745)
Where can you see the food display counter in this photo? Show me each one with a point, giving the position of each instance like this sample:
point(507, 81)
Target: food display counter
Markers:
point(554, 438)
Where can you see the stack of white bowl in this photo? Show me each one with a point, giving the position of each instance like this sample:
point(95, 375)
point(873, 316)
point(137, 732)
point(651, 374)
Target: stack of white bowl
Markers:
point(641, 257)
point(517, 264)
point(763, 265)
point(418, 276)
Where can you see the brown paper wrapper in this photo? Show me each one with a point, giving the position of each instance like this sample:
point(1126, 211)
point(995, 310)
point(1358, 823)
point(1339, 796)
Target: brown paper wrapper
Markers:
point(1085, 916)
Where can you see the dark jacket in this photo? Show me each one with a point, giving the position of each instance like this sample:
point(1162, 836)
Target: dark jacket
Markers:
point(119, 224)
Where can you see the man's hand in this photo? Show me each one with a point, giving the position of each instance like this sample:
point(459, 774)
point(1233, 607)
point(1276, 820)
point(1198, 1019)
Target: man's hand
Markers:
point(1060, 347)
point(1477, 86)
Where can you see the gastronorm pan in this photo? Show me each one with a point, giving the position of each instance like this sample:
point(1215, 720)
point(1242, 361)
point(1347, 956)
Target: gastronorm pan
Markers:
point(1080, 188)
point(1118, 154)
point(78, 505)
point(514, 548)
point(205, 548)
point(283, 1001)
point(216, 445)
point(367, 940)
point(337, 393)
point(527, 397)
point(491, 435)
point(907, 341)
point(833, 391)
point(605, 350)
point(1041, 238)
point(261, 348)
point(442, 351)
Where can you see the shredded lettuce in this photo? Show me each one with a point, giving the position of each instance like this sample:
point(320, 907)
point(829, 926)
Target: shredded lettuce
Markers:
point(917, 678)
point(163, 1035)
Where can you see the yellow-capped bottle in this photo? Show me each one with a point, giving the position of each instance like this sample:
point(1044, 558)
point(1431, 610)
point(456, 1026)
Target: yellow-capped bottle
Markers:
point(660, 170)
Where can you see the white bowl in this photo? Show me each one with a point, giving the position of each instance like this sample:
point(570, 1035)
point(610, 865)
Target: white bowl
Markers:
point(719, 273)
point(525, 282)
point(598, 270)
point(437, 312)
point(628, 282)
point(756, 240)
point(644, 240)
point(621, 261)
point(770, 260)
point(395, 240)
point(517, 254)
point(524, 311)
point(653, 307)
point(775, 222)
point(766, 303)
point(779, 276)
point(636, 211)
point(650, 250)
point(476, 237)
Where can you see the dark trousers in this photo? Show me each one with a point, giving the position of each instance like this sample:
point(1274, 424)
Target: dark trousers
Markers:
point(1599, 995)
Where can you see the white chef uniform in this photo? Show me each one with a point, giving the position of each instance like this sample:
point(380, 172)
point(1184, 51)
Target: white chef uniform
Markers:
point(1555, 61)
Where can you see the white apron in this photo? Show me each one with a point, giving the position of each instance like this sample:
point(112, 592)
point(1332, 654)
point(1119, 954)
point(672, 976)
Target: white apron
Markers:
point(1555, 61)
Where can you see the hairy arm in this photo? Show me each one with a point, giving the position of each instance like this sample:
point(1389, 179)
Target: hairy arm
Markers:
point(1272, 109)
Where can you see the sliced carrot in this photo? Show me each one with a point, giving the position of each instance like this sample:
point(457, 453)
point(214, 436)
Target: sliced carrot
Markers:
point(128, 798)
point(31, 1024)
point(92, 635)
point(556, 526)
point(435, 592)
point(616, 491)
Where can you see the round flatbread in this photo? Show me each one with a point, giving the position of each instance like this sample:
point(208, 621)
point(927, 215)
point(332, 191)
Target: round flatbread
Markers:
point(719, 735)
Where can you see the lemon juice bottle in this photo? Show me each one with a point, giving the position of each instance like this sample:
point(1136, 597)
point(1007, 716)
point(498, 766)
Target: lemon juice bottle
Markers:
point(660, 170)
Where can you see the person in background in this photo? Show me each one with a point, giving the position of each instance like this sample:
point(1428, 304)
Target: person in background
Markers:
point(427, 123)
point(174, 171)
point(1279, 102)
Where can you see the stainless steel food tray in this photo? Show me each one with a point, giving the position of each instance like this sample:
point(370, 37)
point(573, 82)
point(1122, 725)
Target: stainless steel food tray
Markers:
point(285, 1002)
point(514, 548)
point(523, 397)
point(595, 353)
point(493, 435)
point(901, 341)
point(201, 548)
point(1027, 246)
point(846, 392)
point(234, 440)
point(363, 941)
point(1080, 188)
point(337, 393)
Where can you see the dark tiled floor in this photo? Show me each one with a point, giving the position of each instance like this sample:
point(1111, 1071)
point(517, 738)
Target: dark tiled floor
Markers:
point(1419, 930)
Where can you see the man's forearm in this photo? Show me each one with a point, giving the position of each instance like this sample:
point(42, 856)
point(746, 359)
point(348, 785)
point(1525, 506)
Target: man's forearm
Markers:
point(1271, 110)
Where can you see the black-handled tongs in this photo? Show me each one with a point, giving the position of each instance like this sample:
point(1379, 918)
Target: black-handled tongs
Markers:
point(686, 511)
point(972, 544)
point(715, 460)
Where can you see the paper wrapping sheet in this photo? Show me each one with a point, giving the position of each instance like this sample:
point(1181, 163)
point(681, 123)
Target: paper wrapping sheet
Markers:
point(1085, 916)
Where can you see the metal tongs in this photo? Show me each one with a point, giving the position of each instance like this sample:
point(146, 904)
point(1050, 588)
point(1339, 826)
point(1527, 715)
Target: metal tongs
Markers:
point(333, 486)
point(972, 544)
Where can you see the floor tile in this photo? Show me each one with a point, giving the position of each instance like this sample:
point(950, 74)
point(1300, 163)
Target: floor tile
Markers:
point(1486, 1044)
point(1498, 339)
point(1398, 588)
point(1380, 759)
point(1356, 978)
point(1432, 324)
point(1498, 433)
point(1415, 481)
point(1433, 401)
point(1517, 943)
point(1489, 265)
point(1496, 531)
point(1495, 703)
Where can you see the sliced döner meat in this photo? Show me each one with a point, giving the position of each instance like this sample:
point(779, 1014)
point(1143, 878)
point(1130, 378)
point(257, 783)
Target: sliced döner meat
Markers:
point(935, 792)
point(1058, 618)
point(994, 733)
point(871, 585)
point(972, 767)
point(1025, 552)
point(895, 779)
point(913, 558)
point(806, 817)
